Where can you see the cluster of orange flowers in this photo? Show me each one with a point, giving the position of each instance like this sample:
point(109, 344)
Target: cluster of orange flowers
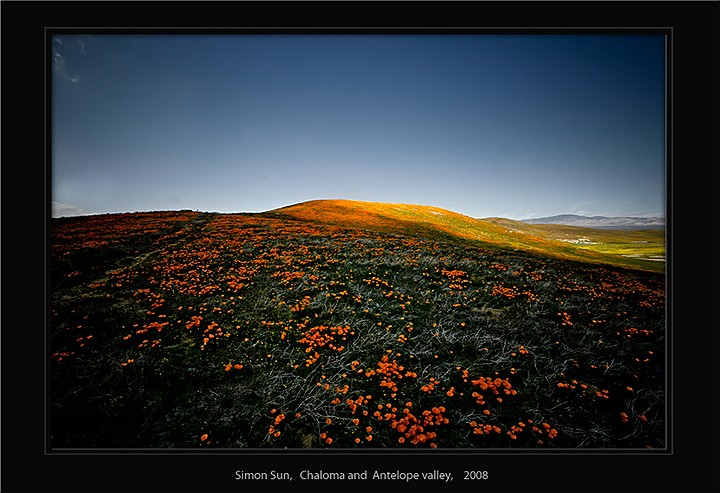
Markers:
point(535, 276)
point(59, 355)
point(337, 296)
point(624, 418)
point(156, 326)
point(480, 428)
point(188, 272)
point(544, 428)
point(515, 429)
point(156, 300)
point(101, 230)
point(645, 360)
point(80, 340)
point(287, 277)
point(273, 427)
point(355, 404)
point(194, 322)
point(458, 279)
point(564, 318)
point(629, 332)
point(377, 282)
point(389, 372)
point(237, 277)
point(301, 304)
point(522, 350)
point(494, 385)
point(236, 366)
point(320, 336)
point(595, 292)
point(328, 440)
point(212, 331)
point(389, 414)
point(624, 283)
point(430, 385)
point(512, 292)
point(618, 286)
point(414, 429)
point(585, 389)
point(205, 290)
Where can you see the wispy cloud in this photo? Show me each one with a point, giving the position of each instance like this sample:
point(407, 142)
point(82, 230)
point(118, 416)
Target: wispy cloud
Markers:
point(65, 210)
point(581, 208)
point(530, 212)
point(58, 61)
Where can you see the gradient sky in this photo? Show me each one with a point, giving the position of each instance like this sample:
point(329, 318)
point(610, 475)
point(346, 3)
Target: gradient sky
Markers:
point(509, 125)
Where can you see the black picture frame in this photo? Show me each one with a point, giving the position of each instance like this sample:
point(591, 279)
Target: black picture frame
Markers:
point(691, 464)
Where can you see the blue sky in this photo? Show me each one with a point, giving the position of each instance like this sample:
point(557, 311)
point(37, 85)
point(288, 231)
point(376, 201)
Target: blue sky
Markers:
point(507, 125)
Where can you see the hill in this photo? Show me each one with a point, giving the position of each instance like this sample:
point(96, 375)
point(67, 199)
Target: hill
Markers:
point(631, 249)
point(287, 329)
point(601, 222)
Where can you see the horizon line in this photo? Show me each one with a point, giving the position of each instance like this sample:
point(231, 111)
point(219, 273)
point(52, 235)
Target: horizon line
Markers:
point(79, 212)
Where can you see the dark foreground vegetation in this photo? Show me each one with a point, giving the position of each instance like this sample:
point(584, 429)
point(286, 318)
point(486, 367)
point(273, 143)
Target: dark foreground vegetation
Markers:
point(184, 329)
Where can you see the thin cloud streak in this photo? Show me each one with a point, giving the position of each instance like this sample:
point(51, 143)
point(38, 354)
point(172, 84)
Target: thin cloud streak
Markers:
point(60, 65)
point(67, 210)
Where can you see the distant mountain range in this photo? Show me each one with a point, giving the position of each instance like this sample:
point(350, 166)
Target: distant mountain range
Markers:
point(601, 222)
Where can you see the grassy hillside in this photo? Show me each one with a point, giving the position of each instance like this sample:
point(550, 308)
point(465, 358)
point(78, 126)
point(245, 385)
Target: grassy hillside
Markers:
point(287, 329)
point(632, 249)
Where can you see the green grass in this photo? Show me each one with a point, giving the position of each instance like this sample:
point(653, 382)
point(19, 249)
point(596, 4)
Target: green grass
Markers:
point(643, 250)
point(186, 330)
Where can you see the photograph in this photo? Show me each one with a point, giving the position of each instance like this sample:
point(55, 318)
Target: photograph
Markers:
point(370, 259)
point(358, 241)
